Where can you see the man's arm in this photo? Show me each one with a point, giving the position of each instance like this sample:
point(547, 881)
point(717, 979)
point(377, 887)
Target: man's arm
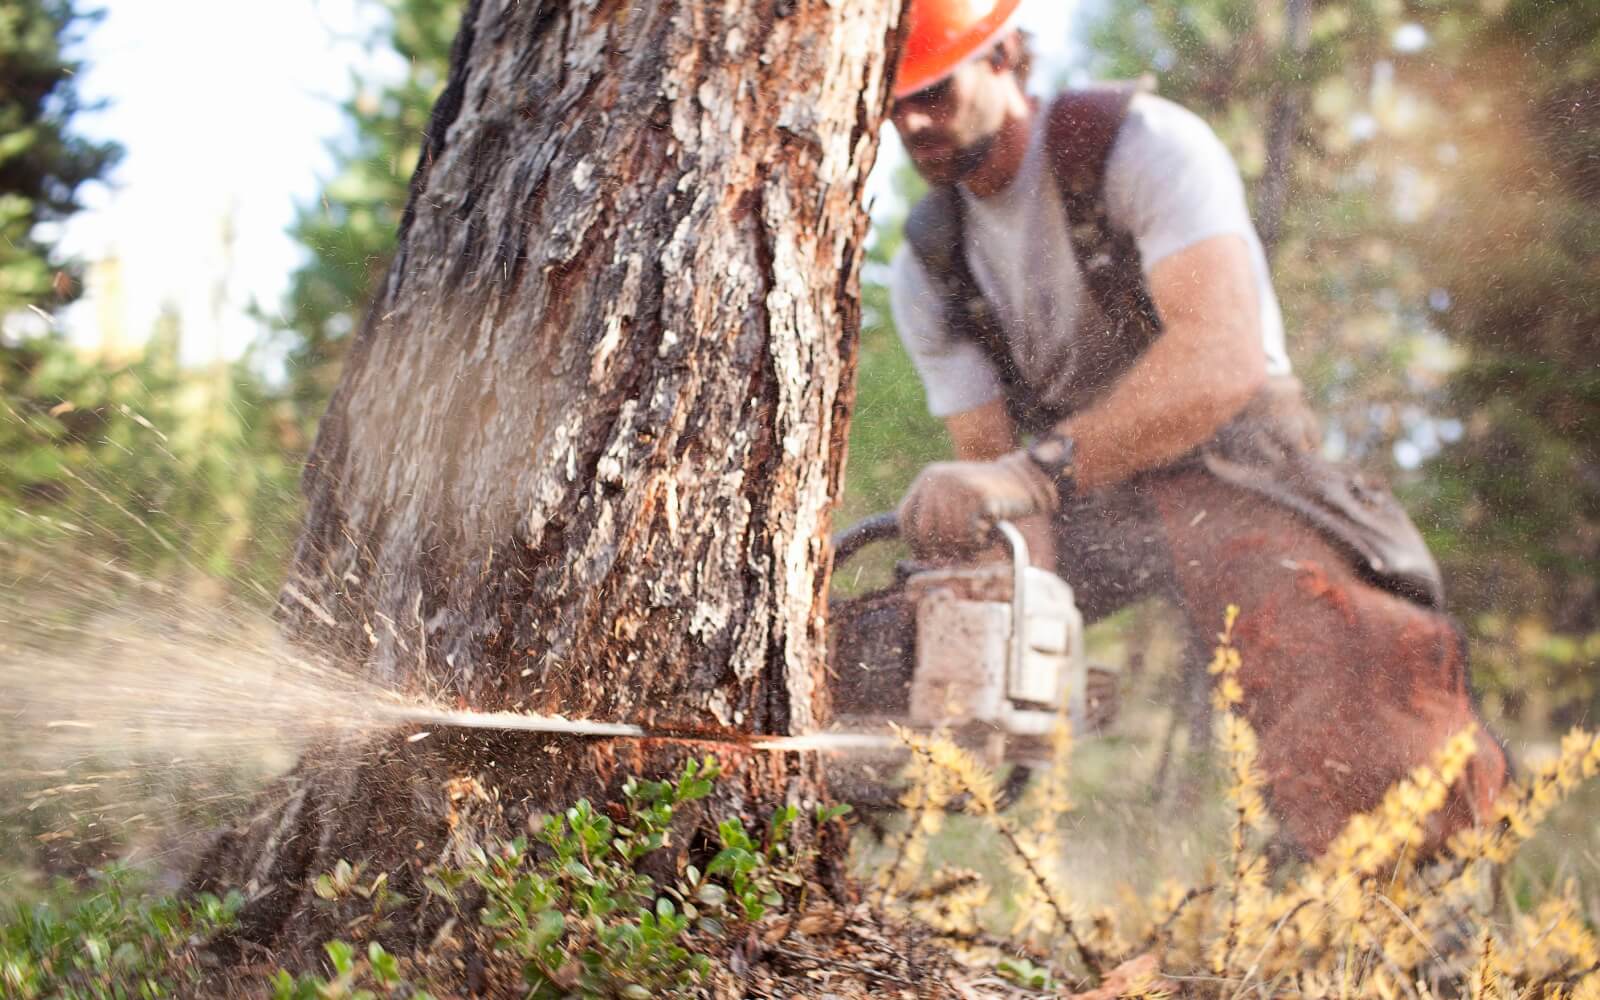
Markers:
point(1202, 370)
point(982, 434)
point(1197, 375)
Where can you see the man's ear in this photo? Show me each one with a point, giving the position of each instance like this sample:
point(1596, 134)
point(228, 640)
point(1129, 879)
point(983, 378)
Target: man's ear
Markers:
point(1011, 53)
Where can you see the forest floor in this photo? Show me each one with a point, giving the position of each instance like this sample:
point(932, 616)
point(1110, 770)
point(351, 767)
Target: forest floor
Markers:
point(81, 792)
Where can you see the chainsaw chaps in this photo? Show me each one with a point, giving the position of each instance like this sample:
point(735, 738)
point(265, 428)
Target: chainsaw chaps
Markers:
point(990, 654)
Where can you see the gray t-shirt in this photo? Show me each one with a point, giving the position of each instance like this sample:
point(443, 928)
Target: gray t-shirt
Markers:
point(1169, 182)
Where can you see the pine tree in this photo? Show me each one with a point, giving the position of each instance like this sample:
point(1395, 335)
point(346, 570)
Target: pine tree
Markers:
point(349, 229)
point(1436, 264)
point(581, 456)
point(1294, 89)
point(168, 472)
point(42, 163)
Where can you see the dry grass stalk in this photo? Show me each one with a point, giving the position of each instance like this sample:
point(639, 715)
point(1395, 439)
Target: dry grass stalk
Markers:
point(1365, 919)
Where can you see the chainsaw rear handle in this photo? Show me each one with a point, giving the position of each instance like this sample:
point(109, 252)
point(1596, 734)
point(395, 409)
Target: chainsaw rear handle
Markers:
point(877, 528)
point(886, 526)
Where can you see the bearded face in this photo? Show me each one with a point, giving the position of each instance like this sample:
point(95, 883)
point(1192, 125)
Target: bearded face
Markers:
point(950, 128)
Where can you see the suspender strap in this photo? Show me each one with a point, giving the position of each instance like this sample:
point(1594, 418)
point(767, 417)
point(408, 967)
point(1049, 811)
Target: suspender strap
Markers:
point(935, 231)
point(1079, 135)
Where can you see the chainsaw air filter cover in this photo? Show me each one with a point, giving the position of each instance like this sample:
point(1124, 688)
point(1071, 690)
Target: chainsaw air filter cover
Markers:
point(1000, 645)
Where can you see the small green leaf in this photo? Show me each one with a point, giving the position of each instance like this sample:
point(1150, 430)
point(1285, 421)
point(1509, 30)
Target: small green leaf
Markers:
point(341, 955)
point(551, 925)
point(385, 967)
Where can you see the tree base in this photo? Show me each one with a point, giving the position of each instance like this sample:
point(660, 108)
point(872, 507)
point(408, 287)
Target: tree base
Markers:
point(405, 804)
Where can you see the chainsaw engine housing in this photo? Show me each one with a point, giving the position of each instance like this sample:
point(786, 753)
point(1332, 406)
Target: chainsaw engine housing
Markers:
point(994, 649)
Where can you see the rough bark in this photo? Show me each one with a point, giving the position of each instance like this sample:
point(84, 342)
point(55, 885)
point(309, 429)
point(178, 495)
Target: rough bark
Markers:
point(581, 455)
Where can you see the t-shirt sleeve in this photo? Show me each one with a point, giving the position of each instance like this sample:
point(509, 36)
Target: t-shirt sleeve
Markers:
point(1171, 182)
point(956, 373)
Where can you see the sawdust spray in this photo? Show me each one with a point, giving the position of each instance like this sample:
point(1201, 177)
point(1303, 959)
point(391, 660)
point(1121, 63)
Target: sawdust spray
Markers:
point(133, 711)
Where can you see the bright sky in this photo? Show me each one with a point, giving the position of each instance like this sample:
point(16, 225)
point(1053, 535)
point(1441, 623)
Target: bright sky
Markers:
point(226, 109)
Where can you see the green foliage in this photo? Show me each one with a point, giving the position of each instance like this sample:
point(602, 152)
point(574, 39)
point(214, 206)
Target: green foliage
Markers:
point(892, 436)
point(1025, 974)
point(106, 941)
point(1516, 504)
point(573, 906)
point(1355, 306)
point(42, 164)
point(1436, 267)
point(577, 910)
point(166, 470)
point(351, 974)
point(584, 920)
point(349, 229)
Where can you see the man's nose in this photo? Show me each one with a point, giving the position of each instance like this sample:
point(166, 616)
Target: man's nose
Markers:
point(912, 121)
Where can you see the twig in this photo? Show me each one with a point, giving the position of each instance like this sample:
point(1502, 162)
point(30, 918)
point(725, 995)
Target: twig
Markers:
point(1087, 955)
point(1220, 980)
point(865, 970)
point(1154, 937)
point(1256, 962)
point(1571, 979)
point(944, 887)
point(1410, 925)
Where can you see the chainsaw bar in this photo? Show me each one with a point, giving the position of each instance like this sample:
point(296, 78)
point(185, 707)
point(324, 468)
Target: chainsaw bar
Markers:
point(521, 722)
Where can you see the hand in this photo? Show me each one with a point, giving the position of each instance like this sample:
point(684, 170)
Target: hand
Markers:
point(952, 506)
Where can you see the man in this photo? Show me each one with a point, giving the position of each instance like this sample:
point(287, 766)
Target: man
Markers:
point(1084, 276)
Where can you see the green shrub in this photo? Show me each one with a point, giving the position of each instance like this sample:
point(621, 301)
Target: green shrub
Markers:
point(105, 941)
point(575, 909)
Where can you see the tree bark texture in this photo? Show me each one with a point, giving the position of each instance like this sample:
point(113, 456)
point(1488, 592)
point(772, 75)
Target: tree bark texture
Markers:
point(581, 456)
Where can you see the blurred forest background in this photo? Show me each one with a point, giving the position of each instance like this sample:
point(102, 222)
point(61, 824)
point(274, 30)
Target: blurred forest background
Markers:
point(1426, 173)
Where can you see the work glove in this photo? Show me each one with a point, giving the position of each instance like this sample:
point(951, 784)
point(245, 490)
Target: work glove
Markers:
point(951, 507)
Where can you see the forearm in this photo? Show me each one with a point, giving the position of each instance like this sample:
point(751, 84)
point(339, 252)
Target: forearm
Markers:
point(1202, 370)
point(1179, 393)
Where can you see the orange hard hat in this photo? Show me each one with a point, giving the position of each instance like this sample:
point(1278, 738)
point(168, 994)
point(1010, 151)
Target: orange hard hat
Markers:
point(943, 34)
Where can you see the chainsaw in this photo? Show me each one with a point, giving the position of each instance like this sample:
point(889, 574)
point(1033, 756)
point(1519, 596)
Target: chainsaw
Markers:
point(991, 653)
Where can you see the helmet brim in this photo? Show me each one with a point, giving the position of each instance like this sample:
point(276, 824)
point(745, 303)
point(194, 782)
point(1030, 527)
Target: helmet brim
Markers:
point(919, 71)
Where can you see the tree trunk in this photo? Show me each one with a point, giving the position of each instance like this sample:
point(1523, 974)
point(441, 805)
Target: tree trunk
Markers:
point(1283, 124)
point(581, 456)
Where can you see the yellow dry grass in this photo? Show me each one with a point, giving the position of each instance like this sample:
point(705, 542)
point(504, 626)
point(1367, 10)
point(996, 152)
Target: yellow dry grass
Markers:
point(1365, 919)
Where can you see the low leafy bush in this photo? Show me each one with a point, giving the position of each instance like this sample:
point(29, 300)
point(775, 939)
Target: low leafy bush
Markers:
point(350, 971)
point(576, 910)
point(106, 940)
point(572, 906)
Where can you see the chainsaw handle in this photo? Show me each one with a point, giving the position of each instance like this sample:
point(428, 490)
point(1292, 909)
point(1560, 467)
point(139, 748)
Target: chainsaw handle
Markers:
point(886, 526)
point(877, 528)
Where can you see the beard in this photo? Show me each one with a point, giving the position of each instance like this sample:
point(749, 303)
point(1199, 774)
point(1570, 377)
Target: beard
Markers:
point(955, 166)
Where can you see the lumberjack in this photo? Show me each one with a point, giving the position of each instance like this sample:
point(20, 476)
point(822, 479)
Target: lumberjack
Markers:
point(1084, 275)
